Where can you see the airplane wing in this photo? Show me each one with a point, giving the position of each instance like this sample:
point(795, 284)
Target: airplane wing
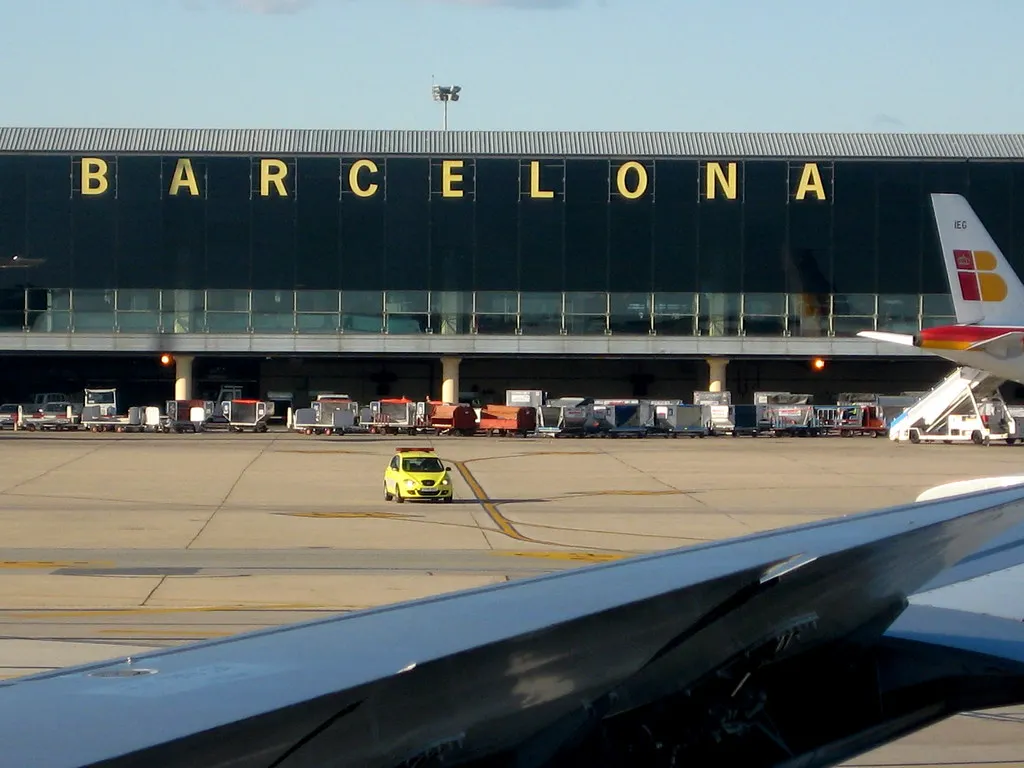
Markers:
point(741, 652)
point(1006, 345)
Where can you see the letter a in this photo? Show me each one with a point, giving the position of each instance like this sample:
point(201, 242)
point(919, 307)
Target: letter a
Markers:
point(810, 181)
point(184, 176)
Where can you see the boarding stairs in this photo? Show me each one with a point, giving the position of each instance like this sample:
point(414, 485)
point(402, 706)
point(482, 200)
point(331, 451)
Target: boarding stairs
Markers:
point(959, 392)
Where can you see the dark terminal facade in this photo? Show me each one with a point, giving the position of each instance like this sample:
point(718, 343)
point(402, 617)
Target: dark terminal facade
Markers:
point(231, 241)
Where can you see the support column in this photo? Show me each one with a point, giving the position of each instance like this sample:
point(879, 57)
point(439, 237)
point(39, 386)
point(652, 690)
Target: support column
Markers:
point(716, 373)
point(450, 380)
point(183, 377)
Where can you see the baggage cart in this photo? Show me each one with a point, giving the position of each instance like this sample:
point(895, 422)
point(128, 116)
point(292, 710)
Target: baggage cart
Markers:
point(333, 415)
point(394, 415)
point(792, 420)
point(246, 414)
point(452, 419)
point(188, 415)
point(508, 420)
point(623, 418)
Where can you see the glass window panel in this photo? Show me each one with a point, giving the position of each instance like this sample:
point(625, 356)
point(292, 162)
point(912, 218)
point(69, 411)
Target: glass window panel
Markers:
point(227, 322)
point(86, 300)
point(501, 302)
point(138, 300)
point(851, 326)
point(182, 262)
point(97, 322)
point(901, 204)
point(541, 313)
point(140, 252)
point(363, 228)
point(228, 222)
point(675, 226)
point(407, 301)
point(48, 228)
point(586, 225)
point(719, 314)
point(14, 261)
point(496, 261)
point(938, 177)
point(318, 323)
point(273, 322)
point(272, 230)
point(764, 304)
point(855, 263)
point(371, 302)
point(138, 322)
point(94, 233)
point(898, 313)
point(630, 313)
point(274, 302)
point(542, 228)
point(937, 304)
point(318, 301)
point(227, 301)
point(318, 224)
point(452, 232)
point(764, 226)
point(586, 303)
point(408, 264)
point(854, 304)
point(720, 239)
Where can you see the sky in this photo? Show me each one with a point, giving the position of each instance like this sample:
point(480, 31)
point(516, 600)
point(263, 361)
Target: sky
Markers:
point(573, 65)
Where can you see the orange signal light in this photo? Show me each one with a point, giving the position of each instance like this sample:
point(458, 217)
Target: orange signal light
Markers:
point(166, 359)
point(818, 364)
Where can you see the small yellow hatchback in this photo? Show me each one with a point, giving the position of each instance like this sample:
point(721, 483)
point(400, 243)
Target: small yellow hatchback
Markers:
point(416, 473)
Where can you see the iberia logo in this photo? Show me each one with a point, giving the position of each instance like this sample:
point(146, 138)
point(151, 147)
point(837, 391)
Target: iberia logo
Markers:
point(976, 273)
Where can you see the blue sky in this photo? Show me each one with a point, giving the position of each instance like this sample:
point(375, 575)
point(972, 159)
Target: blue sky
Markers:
point(707, 65)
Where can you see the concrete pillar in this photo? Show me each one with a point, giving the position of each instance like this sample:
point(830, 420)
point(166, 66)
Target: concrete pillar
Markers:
point(716, 373)
point(450, 380)
point(183, 377)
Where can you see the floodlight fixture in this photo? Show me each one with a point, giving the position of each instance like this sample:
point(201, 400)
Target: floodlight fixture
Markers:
point(445, 94)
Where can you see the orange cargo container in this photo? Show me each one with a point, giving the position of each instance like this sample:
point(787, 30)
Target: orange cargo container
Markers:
point(508, 419)
point(453, 419)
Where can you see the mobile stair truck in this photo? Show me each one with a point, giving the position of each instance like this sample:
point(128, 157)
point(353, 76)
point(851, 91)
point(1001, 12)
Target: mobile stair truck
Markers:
point(964, 407)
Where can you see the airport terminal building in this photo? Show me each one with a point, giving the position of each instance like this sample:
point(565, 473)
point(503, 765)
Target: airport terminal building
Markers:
point(309, 260)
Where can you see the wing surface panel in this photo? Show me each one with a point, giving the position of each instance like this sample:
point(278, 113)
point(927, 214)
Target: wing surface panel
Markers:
point(473, 671)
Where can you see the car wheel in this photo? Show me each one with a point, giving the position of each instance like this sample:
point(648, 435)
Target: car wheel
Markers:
point(387, 496)
point(398, 495)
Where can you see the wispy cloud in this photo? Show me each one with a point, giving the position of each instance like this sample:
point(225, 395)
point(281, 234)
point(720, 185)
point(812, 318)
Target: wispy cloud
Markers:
point(882, 120)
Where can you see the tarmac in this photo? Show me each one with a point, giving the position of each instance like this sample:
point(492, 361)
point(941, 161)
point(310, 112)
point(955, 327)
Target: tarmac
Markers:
point(113, 545)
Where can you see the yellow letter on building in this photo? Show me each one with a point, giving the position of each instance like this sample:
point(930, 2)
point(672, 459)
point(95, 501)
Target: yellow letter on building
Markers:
point(623, 175)
point(273, 172)
point(94, 176)
point(353, 178)
point(810, 181)
point(535, 191)
point(184, 176)
point(451, 176)
point(715, 177)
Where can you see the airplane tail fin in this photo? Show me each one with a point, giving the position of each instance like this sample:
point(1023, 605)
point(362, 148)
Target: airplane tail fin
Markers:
point(984, 287)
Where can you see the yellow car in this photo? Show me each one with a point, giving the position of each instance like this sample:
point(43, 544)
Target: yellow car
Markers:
point(416, 473)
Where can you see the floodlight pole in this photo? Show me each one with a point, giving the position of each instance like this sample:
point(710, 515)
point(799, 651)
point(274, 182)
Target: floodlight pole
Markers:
point(444, 94)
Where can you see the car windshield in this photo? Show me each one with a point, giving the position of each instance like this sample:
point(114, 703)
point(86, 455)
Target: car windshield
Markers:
point(422, 464)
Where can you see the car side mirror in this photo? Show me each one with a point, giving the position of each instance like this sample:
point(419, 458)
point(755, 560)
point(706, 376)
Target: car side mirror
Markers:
point(447, 469)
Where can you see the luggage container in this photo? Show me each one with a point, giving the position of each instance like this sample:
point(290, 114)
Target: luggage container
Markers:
point(453, 419)
point(188, 415)
point(624, 418)
point(246, 414)
point(335, 414)
point(533, 398)
point(508, 420)
point(393, 415)
point(744, 419)
point(674, 417)
point(791, 420)
point(567, 417)
point(720, 404)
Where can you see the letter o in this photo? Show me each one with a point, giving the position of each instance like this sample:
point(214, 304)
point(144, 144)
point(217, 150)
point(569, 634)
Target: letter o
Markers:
point(623, 175)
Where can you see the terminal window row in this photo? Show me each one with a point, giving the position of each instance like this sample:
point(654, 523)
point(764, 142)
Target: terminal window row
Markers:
point(484, 312)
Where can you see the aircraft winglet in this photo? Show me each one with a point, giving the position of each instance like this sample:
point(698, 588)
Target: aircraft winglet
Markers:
point(905, 339)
